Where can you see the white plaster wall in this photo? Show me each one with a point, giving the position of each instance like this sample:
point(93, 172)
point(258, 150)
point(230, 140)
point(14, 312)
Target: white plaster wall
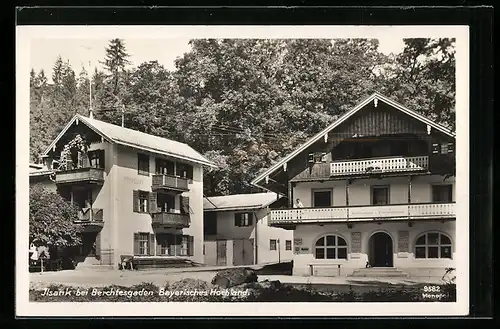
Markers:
point(130, 222)
point(226, 230)
point(360, 190)
point(404, 261)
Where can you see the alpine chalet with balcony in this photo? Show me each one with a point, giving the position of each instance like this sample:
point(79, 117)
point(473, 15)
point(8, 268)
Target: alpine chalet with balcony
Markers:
point(376, 191)
point(138, 194)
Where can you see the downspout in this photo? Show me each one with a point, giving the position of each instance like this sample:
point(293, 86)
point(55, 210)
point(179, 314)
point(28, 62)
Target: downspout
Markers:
point(256, 244)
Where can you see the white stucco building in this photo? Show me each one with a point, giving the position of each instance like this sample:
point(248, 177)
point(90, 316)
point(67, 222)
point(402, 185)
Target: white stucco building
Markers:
point(138, 194)
point(378, 191)
point(237, 231)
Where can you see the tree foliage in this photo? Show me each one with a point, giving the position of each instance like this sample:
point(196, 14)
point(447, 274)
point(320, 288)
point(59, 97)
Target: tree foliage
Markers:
point(244, 103)
point(51, 219)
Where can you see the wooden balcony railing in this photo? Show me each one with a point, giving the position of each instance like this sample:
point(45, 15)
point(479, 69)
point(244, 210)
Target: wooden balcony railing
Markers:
point(363, 213)
point(167, 219)
point(170, 182)
point(90, 216)
point(89, 175)
point(379, 165)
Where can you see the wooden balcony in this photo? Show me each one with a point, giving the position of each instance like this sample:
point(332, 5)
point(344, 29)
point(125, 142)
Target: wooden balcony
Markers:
point(363, 213)
point(169, 182)
point(174, 220)
point(379, 165)
point(80, 175)
point(90, 218)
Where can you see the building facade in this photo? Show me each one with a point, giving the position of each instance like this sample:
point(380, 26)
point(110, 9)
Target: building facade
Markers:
point(237, 231)
point(377, 191)
point(138, 194)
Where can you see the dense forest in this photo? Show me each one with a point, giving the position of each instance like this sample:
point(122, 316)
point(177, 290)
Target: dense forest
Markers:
point(244, 103)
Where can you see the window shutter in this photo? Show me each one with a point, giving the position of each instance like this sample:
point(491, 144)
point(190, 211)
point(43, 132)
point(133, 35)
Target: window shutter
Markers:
point(153, 197)
point(135, 202)
point(151, 247)
point(250, 219)
point(190, 245)
point(136, 243)
point(436, 148)
point(101, 159)
point(237, 219)
point(185, 204)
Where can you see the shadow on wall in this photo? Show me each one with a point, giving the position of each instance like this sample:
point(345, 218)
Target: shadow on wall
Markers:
point(284, 268)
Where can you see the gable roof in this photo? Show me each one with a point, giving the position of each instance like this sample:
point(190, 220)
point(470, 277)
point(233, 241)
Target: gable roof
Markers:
point(375, 96)
point(136, 139)
point(239, 201)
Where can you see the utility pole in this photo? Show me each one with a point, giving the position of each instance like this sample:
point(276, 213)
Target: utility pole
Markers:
point(279, 252)
point(91, 114)
point(123, 115)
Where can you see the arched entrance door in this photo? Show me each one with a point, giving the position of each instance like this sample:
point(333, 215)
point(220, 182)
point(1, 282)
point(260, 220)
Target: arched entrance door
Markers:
point(380, 247)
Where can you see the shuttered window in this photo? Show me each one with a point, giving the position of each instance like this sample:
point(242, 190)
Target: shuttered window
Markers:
point(243, 219)
point(141, 199)
point(143, 243)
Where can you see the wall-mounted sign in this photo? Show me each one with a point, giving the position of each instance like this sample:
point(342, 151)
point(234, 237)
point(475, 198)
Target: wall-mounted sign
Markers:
point(297, 242)
point(133, 180)
point(403, 241)
point(356, 242)
point(304, 250)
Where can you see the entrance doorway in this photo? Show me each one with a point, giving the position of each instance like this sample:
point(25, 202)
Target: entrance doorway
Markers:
point(380, 250)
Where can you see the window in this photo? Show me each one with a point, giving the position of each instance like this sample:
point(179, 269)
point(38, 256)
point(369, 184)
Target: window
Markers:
point(442, 193)
point(243, 219)
point(288, 245)
point(96, 159)
point(272, 244)
point(380, 195)
point(164, 167)
point(451, 146)
point(433, 245)
point(142, 200)
point(322, 198)
point(210, 223)
point(143, 164)
point(331, 247)
point(436, 148)
point(143, 243)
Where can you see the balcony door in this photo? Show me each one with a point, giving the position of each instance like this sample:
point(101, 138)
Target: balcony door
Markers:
point(322, 198)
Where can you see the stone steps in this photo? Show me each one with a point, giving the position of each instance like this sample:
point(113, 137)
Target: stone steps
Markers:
point(380, 272)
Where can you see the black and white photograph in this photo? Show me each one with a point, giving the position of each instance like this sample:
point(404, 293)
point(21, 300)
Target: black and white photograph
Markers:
point(273, 170)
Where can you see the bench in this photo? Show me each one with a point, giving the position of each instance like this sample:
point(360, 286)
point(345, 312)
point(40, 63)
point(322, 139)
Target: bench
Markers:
point(126, 260)
point(330, 265)
point(48, 265)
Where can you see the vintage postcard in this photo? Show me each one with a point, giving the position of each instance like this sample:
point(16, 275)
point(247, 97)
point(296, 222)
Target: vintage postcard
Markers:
point(259, 170)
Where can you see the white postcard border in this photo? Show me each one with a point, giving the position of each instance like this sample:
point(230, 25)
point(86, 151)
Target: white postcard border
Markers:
point(26, 308)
